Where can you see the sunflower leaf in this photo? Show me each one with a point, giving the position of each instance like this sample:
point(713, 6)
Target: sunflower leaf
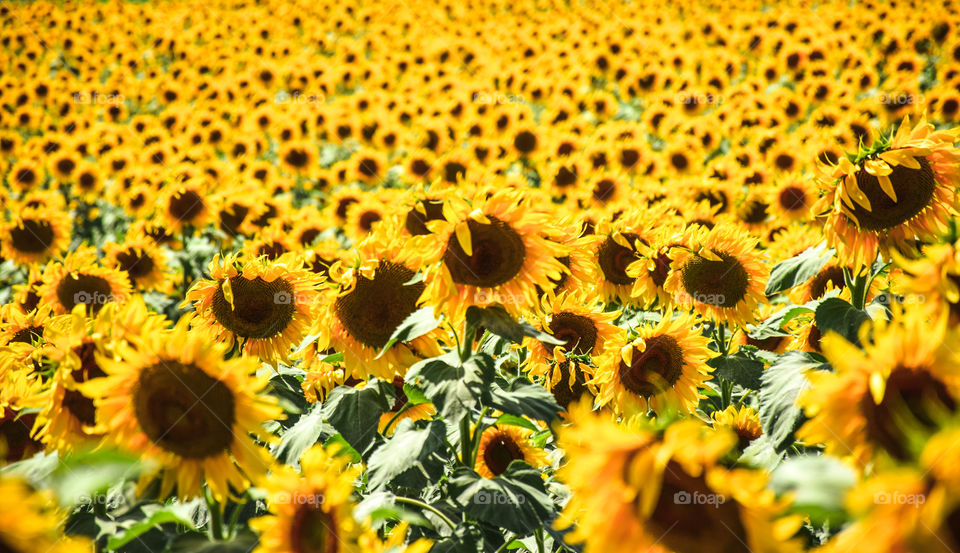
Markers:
point(523, 398)
point(738, 368)
point(356, 412)
point(307, 431)
point(451, 386)
point(818, 483)
point(176, 513)
point(414, 326)
point(839, 316)
point(798, 269)
point(781, 384)
point(516, 500)
point(496, 319)
point(410, 445)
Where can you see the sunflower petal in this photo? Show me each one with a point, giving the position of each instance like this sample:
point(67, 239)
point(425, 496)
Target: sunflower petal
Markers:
point(227, 292)
point(462, 231)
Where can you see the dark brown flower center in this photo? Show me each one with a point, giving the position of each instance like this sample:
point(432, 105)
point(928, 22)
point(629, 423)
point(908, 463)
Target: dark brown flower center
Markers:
point(27, 335)
point(655, 369)
point(416, 222)
point(722, 283)
point(615, 258)
point(260, 309)
point(914, 189)
point(184, 410)
point(90, 290)
point(186, 205)
point(232, 217)
point(79, 405)
point(137, 265)
point(373, 310)
point(498, 255)
point(829, 275)
point(314, 530)
point(792, 198)
point(564, 392)
point(501, 450)
point(579, 333)
point(32, 236)
point(913, 397)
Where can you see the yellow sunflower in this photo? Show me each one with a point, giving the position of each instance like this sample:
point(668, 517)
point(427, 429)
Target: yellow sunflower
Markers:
point(78, 280)
point(312, 511)
point(718, 274)
point(143, 260)
point(367, 301)
point(390, 419)
point(263, 305)
point(35, 235)
point(886, 395)
point(172, 397)
point(665, 366)
point(490, 251)
point(30, 522)
point(500, 445)
point(743, 421)
point(902, 188)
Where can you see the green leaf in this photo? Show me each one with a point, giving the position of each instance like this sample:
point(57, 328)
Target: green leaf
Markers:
point(381, 507)
point(337, 445)
point(761, 454)
point(738, 368)
point(818, 484)
point(513, 420)
point(782, 383)
point(410, 444)
point(82, 476)
point(306, 432)
point(414, 326)
point(496, 319)
point(157, 514)
point(454, 388)
point(414, 395)
point(356, 412)
point(839, 316)
point(798, 270)
point(516, 500)
point(523, 398)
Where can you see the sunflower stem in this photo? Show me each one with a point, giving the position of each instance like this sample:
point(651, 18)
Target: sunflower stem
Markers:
point(539, 536)
point(858, 287)
point(466, 443)
point(477, 434)
point(216, 517)
point(726, 390)
point(431, 508)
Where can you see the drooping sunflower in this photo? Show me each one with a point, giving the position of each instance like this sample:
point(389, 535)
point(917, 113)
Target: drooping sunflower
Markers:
point(312, 511)
point(615, 248)
point(264, 305)
point(585, 329)
point(77, 279)
point(390, 419)
point(665, 366)
point(887, 395)
point(368, 300)
point(30, 522)
point(142, 259)
point(718, 274)
point(651, 269)
point(173, 398)
point(490, 251)
point(502, 444)
point(885, 196)
point(35, 236)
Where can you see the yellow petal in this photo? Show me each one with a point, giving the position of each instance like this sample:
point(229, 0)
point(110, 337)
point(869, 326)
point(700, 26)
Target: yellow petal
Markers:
point(626, 354)
point(887, 186)
point(877, 387)
point(227, 292)
point(463, 237)
point(478, 216)
point(706, 253)
point(877, 167)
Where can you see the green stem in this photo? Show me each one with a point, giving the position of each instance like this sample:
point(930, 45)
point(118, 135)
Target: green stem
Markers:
point(393, 419)
point(466, 444)
point(722, 338)
point(467, 344)
point(539, 536)
point(216, 517)
point(431, 508)
point(726, 390)
point(477, 434)
point(235, 516)
point(857, 285)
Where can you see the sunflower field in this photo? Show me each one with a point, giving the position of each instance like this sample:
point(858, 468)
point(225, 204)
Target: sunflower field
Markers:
point(535, 276)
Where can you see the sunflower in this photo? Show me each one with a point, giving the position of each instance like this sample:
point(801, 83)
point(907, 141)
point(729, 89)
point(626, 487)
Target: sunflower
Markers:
point(651, 269)
point(366, 214)
point(743, 421)
point(77, 280)
point(615, 248)
point(34, 524)
point(718, 274)
point(887, 395)
point(902, 188)
point(390, 419)
point(368, 300)
point(266, 306)
point(143, 260)
point(185, 204)
point(502, 444)
point(635, 488)
point(312, 511)
point(35, 235)
point(172, 397)
point(585, 329)
point(664, 366)
point(933, 280)
point(490, 251)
